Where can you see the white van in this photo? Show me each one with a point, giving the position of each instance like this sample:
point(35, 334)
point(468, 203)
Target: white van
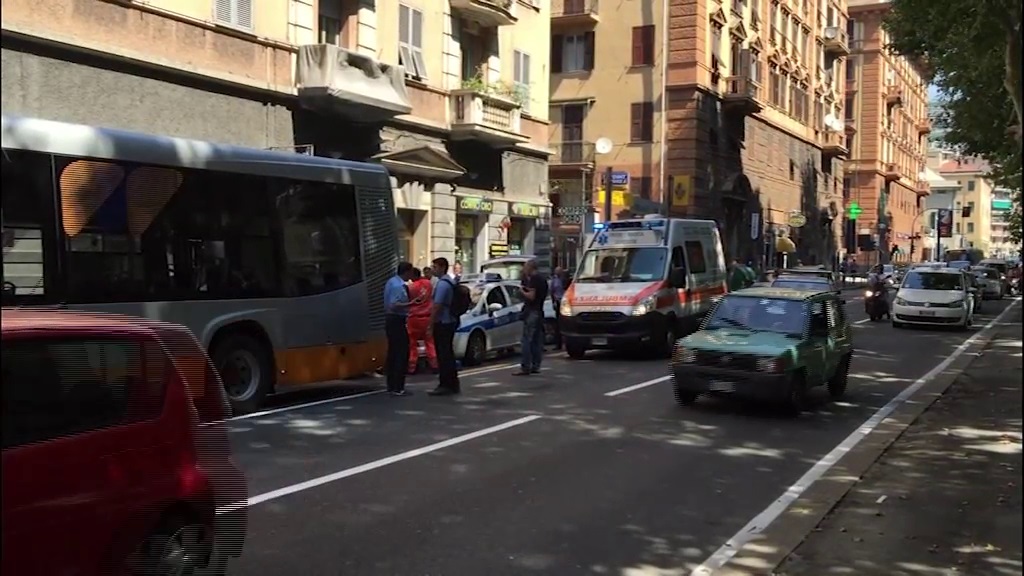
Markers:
point(643, 283)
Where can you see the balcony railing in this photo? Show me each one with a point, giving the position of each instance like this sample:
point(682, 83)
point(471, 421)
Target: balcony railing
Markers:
point(833, 144)
point(893, 95)
point(922, 188)
point(574, 12)
point(573, 153)
point(743, 93)
point(337, 80)
point(487, 117)
point(489, 13)
point(924, 126)
point(891, 171)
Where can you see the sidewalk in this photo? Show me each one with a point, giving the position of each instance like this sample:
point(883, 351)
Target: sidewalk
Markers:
point(945, 499)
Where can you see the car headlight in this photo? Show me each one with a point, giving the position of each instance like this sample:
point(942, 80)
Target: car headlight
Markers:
point(646, 305)
point(868, 294)
point(901, 301)
point(957, 303)
point(565, 308)
point(685, 355)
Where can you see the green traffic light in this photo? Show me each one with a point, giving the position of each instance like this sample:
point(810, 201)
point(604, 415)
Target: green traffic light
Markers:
point(854, 210)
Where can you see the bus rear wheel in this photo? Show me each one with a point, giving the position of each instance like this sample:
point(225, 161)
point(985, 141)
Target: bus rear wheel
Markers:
point(245, 367)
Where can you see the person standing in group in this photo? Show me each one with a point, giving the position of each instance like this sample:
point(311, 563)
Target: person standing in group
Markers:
point(428, 273)
point(397, 303)
point(456, 272)
point(444, 321)
point(535, 292)
point(419, 320)
point(559, 282)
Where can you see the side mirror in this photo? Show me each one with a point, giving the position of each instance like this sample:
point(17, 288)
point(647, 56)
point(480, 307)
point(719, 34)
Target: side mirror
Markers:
point(677, 278)
point(494, 307)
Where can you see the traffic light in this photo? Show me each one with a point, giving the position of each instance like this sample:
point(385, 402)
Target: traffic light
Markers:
point(850, 235)
point(853, 210)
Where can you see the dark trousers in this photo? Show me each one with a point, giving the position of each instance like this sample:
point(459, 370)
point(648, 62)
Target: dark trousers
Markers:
point(444, 336)
point(558, 318)
point(398, 351)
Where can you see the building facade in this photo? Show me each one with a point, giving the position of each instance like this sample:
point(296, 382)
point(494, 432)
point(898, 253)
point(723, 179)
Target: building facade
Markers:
point(606, 85)
point(755, 131)
point(451, 95)
point(887, 103)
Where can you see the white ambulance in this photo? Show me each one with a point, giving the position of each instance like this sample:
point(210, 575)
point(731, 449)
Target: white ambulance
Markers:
point(643, 283)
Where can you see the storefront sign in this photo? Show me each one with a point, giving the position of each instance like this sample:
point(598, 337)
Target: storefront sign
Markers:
point(682, 188)
point(476, 204)
point(796, 220)
point(524, 210)
point(498, 249)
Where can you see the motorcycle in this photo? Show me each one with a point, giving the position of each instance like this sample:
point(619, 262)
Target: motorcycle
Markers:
point(1015, 286)
point(876, 302)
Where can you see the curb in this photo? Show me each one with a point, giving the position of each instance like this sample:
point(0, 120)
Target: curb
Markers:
point(763, 554)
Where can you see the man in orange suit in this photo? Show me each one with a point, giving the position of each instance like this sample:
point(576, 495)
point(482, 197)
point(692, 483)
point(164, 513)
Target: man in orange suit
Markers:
point(419, 320)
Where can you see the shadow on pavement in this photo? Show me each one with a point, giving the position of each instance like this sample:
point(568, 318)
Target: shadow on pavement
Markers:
point(946, 497)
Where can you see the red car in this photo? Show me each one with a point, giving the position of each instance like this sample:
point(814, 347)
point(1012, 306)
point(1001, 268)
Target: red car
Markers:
point(115, 452)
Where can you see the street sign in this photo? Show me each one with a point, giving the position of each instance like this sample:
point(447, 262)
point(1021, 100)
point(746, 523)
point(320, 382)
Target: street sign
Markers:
point(755, 225)
point(619, 178)
point(572, 219)
point(853, 211)
point(573, 210)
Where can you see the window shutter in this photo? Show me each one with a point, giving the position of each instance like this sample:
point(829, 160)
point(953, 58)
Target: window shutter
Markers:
point(636, 124)
point(649, 45)
point(648, 122)
point(243, 13)
point(557, 42)
point(222, 11)
point(588, 56)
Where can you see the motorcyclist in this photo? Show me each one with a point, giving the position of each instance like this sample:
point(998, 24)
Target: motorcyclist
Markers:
point(877, 284)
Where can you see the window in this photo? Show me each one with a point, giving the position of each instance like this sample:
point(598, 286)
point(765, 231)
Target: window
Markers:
point(572, 132)
point(970, 185)
point(572, 53)
point(496, 296)
point(641, 120)
point(56, 387)
point(330, 30)
point(695, 257)
point(640, 187)
point(643, 45)
point(233, 13)
point(29, 237)
point(410, 42)
point(776, 87)
point(970, 227)
point(521, 78)
point(144, 233)
point(515, 294)
point(321, 238)
point(716, 45)
point(736, 54)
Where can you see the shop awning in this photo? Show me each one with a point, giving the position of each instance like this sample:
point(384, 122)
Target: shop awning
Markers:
point(784, 244)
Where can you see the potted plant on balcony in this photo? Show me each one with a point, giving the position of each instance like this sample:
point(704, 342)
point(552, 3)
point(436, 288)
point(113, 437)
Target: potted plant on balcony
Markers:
point(498, 90)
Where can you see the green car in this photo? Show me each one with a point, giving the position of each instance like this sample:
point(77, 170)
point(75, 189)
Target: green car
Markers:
point(763, 343)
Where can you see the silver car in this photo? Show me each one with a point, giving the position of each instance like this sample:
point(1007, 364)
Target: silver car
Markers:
point(990, 281)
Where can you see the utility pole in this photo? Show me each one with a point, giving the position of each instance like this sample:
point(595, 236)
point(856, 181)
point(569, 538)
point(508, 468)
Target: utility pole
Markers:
point(608, 194)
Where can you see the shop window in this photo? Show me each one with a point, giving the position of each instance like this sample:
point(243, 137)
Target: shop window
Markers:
point(466, 230)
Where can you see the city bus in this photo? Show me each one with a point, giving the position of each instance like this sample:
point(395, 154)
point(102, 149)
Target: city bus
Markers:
point(275, 260)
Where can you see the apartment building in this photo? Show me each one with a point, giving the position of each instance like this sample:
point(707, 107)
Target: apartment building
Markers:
point(755, 134)
point(888, 123)
point(971, 202)
point(450, 95)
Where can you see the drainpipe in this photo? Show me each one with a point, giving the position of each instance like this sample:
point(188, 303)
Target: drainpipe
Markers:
point(666, 194)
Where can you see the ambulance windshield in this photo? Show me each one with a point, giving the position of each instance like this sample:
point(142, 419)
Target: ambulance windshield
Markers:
point(644, 264)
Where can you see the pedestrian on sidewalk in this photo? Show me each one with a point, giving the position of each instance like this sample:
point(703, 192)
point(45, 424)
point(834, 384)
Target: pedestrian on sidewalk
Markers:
point(559, 282)
point(443, 324)
point(428, 273)
point(397, 304)
point(419, 320)
point(535, 292)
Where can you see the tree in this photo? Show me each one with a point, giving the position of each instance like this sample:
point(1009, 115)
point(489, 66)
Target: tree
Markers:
point(973, 50)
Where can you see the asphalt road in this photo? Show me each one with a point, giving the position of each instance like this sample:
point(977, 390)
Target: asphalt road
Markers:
point(544, 475)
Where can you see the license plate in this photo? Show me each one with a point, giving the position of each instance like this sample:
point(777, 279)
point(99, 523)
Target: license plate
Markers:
point(926, 313)
point(721, 386)
point(599, 341)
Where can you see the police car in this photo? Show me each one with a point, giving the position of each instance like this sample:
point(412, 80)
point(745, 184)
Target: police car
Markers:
point(492, 324)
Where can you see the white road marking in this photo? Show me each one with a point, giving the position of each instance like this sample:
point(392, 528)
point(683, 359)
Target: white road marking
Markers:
point(629, 389)
point(349, 472)
point(760, 522)
point(864, 321)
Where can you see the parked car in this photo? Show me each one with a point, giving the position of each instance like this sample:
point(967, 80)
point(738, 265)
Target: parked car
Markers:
point(770, 344)
point(813, 272)
point(115, 456)
point(492, 324)
point(934, 297)
point(805, 282)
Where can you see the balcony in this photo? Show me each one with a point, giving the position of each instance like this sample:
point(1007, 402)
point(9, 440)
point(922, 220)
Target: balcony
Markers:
point(893, 96)
point(336, 81)
point(891, 172)
point(487, 13)
point(924, 126)
point(485, 116)
point(572, 155)
point(835, 42)
point(922, 188)
point(833, 145)
point(742, 94)
point(574, 13)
